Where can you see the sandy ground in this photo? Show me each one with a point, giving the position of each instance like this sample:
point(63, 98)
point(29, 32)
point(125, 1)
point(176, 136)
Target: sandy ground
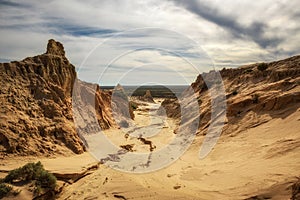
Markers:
point(262, 160)
point(157, 129)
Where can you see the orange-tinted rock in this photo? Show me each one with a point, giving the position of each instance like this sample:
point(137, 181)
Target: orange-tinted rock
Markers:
point(253, 96)
point(36, 105)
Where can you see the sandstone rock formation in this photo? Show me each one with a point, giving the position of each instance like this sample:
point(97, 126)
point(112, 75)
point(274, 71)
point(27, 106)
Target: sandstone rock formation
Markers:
point(55, 48)
point(36, 105)
point(254, 94)
point(121, 106)
point(147, 97)
point(171, 107)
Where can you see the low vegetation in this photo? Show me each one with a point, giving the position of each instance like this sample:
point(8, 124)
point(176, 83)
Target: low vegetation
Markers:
point(133, 105)
point(262, 66)
point(296, 190)
point(4, 189)
point(43, 181)
point(248, 71)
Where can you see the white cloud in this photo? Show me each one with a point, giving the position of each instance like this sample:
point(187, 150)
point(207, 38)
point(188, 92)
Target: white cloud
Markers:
point(232, 33)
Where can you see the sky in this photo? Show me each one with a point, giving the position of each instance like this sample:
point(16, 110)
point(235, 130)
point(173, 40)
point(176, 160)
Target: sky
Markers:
point(151, 42)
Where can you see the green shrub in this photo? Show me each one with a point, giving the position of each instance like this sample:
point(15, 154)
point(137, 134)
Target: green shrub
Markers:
point(43, 180)
point(28, 172)
point(4, 189)
point(46, 180)
point(262, 66)
point(133, 105)
point(247, 71)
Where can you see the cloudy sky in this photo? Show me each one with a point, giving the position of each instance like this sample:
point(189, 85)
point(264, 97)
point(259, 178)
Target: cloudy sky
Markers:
point(154, 41)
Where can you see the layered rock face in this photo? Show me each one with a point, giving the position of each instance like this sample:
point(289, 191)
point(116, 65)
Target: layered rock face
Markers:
point(36, 105)
point(254, 94)
point(91, 107)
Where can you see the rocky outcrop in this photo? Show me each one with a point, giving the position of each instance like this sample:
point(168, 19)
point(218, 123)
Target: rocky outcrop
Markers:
point(36, 105)
point(121, 106)
point(55, 48)
point(95, 109)
point(171, 108)
point(147, 97)
point(91, 107)
point(254, 94)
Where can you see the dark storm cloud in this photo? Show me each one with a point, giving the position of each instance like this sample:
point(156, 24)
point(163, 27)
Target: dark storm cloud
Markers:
point(9, 3)
point(5, 4)
point(254, 32)
point(77, 30)
point(62, 28)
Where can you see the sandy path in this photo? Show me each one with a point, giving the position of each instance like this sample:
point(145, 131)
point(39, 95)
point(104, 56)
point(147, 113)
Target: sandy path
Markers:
point(147, 124)
point(146, 137)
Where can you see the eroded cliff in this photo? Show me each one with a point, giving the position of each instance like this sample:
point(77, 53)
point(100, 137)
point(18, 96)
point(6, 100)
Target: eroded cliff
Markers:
point(36, 105)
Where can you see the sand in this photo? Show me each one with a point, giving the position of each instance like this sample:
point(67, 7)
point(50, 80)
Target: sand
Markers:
point(258, 161)
point(263, 160)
